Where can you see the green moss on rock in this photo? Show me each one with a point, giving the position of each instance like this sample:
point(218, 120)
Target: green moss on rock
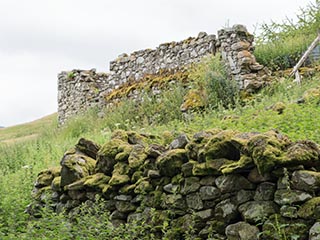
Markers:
point(137, 156)
point(55, 185)
point(121, 168)
point(136, 176)
point(171, 161)
point(210, 167)
point(244, 163)
point(310, 209)
point(118, 179)
point(267, 150)
point(46, 177)
point(198, 141)
point(127, 189)
point(143, 187)
point(106, 157)
point(220, 146)
point(96, 181)
point(302, 152)
point(75, 167)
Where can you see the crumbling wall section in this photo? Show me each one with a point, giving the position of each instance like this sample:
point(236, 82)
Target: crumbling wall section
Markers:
point(79, 90)
point(236, 47)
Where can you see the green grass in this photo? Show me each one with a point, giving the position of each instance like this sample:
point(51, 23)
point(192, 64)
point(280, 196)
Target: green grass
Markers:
point(28, 130)
point(29, 148)
point(283, 53)
point(20, 161)
point(281, 45)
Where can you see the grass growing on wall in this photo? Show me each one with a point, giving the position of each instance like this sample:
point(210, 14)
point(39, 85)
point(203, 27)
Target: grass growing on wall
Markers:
point(280, 45)
point(211, 78)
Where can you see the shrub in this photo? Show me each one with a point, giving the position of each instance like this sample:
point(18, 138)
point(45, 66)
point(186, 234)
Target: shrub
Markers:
point(280, 45)
point(211, 76)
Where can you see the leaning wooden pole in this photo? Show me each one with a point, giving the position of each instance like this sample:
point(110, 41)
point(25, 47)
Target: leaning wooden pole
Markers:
point(303, 58)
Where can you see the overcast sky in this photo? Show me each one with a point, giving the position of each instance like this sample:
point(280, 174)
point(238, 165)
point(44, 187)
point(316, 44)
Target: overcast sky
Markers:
point(40, 38)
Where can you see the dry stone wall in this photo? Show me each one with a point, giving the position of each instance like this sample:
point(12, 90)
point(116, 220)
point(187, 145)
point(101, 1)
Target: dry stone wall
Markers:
point(223, 184)
point(79, 90)
point(168, 56)
point(236, 47)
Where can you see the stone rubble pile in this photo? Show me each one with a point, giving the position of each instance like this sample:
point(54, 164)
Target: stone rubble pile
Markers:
point(224, 184)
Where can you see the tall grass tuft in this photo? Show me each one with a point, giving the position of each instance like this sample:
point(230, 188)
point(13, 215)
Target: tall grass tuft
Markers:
point(211, 77)
point(280, 45)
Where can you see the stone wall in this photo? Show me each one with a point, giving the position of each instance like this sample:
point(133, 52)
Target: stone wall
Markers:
point(223, 184)
point(167, 56)
point(236, 47)
point(80, 90)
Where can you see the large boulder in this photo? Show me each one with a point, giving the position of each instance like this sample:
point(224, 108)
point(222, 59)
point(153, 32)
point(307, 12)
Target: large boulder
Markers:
point(220, 146)
point(75, 166)
point(302, 152)
point(267, 150)
point(46, 177)
point(114, 150)
point(88, 147)
point(257, 211)
point(171, 161)
point(242, 231)
point(306, 180)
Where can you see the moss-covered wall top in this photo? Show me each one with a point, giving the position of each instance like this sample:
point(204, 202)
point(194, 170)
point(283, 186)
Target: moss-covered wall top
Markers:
point(222, 184)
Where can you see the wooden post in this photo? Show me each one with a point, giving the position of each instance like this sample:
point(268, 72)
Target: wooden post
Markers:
point(304, 57)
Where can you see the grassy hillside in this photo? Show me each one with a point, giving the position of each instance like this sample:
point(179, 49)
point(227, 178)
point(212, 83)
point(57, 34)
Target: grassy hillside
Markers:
point(21, 160)
point(27, 149)
point(26, 131)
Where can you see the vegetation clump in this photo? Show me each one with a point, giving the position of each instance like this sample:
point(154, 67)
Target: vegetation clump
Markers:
point(245, 141)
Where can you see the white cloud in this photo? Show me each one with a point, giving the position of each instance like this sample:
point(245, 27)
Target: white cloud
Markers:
point(40, 38)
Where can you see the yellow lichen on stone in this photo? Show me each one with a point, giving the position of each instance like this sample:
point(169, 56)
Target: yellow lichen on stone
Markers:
point(308, 209)
point(45, 177)
point(245, 161)
point(147, 82)
point(194, 99)
point(278, 107)
point(55, 185)
point(312, 95)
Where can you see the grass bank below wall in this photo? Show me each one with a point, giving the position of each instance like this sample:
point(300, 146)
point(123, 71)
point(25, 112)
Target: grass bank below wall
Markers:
point(20, 161)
